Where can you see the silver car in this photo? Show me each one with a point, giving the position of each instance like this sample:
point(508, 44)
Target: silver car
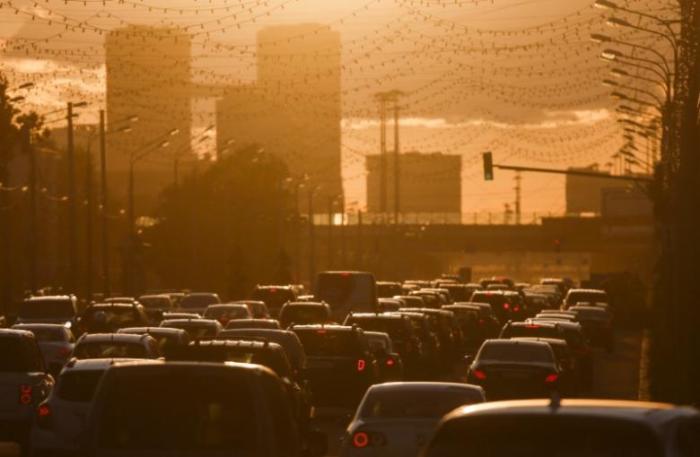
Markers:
point(398, 419)
point(55, 341)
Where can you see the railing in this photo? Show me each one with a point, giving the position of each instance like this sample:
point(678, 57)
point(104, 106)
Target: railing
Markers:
point(474, 218)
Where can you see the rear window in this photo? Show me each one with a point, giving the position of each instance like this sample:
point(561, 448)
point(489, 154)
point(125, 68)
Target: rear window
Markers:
point(46, 309)
point(515, 353)
point(198, 301)
point(109, 350)
point(18, 355)
point(48, 335)
point(78, 385)
point(217, 414)
point(227, 313)
point(273, 298)
point(347, 290)
point(324, 343)
point(195, 331)
point(274, 360)
point(586, 297)
point(534, 331)
point(409, 404)
point(564, 437)
point(304, 314)
point(113, 317)
point(396, 328)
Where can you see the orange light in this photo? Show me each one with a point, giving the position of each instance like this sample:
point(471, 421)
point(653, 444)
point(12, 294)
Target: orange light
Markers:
point(551, 378)
point(480, 375)
point(25, 394)
point(361, 365)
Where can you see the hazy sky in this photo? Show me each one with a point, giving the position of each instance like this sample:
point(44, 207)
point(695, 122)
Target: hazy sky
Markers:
point(518, 77)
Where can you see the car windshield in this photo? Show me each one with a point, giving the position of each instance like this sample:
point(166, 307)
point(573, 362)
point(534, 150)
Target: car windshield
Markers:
point(227, 312)
point(198, 301)
point(593, 437)
point(325, 343)
point(274, 360)
point(347, 290)
point(216, 415)
point(78, 385)
point(112, 317)
point(46, 309)
point(48, 335)
point(304, 314)
point(587, 297)
point(18, 355)
point(97, 350)
point(396, 328)
point(515, 353)
point(416, 403)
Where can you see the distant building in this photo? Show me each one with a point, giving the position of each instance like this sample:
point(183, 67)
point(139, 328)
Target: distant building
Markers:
point(584, 193)
point(294, 108)
point(429, 184)
point(148, 75)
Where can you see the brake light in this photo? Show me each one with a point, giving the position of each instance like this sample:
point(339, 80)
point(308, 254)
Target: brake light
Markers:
point(360, 440)
point(361, 365)
point(390, 362)
point(273, 291)
point(479, 374)
point(482, 322)
point(321, 331)
point(26, 394)
point(506, 305)
point(551, 378)
point(516, 308)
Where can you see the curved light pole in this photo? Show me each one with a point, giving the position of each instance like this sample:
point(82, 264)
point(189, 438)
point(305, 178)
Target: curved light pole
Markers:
point(600, 38)
point(613, 83)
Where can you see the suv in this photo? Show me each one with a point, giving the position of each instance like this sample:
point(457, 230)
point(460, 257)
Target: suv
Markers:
point(61, 418)
point(274, 297)
point(592, 296)
point(24, 383)
point(116, 345)
point(55, 342)
point(304, 313)
point(340, 364)
point(110, 317)
point(55, 309)
point(234, 409)
point(507, 305)
point(568, 428)
point(196, 328)
point(197, 302)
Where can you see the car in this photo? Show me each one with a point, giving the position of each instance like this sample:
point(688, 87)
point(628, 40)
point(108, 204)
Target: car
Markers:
point(24, 384)
point(274, 297)
point(389, 304)
point(265, 353)
point(227, 312)
point(110, 317)
point(304, 313)
point(285, 338)
point(115, 345)
point(405, 339)
point(398, 418)
point(532, 329)
point(485, 282)
point(567, 428)
point(51, 309)
point(346, 291)
point(536, 302)
point(253, 323)
point(410, 301)
point(389, 362)
point(339, 364)
point(592, 296)
point(431, 349)
point(568, 382)
point(235, 409)
point(197, 302)
point(387, 289)
point(123, 300)
point(167, 338)
point(179, 315)
point(55, 342)
point(258, 309)
point(563, 284)
point(196, 328)
point(448, 332)
point(468, 319)
point(156, 305)
point(509, 369)
point(597, 325)
point(507, 305)
point(431, 298)
point(489, 325)
point(60, 420)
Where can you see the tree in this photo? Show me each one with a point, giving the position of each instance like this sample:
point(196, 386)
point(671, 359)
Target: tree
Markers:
point(222, 229)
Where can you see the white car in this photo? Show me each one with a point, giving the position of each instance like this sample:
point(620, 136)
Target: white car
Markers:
point(398, 419)
point(55, 342)
point(60, 420)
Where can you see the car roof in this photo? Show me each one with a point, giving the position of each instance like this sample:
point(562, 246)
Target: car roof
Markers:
point(514, 342)
point(600, 291)
point(645, 412)
point(557, 341)
point(376, 316)
point(253, 344)
point(383, 335)
point(48, 298)
point(228, 305)
point(331, 327)
point(39, 326)
point(112, 305)
point(561, 323)
point(112, 337)
point(15, 333)
point(424, 385)
point(149, 330)
point(307, 304)
point(193, 322)
point(94, 364)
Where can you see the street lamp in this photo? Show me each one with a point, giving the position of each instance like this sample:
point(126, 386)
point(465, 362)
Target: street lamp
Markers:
point(600, 38)
point(613, 83)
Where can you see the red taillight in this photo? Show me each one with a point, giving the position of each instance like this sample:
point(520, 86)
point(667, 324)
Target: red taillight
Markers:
point(361, 365)
point(479, 374)
point(482, 322)
point(390, 362)
point(321, 331)
point(506, 305)
point(43, 415)
point(516, 308)
point(551, 378)
point(532, 326)
point(360, 440)
point(25, 394)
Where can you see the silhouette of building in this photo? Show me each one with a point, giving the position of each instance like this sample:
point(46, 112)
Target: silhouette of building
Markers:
point(294, 108)
point(148, 75)
point(430, 186)
point(584, 193)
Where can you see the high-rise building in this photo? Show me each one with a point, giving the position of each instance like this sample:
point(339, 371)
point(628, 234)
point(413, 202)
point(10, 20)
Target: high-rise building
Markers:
point(148, 76)
point(430, 185)
point(294, 108)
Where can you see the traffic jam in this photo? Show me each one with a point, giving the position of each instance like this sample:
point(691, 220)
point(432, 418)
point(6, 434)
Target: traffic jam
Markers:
point(436, 368)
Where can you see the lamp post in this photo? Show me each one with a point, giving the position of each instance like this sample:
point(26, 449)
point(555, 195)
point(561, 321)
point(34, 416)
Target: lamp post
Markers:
point(72, 197)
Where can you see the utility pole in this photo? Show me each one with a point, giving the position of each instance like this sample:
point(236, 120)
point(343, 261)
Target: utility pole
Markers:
point(33, 239)
point(382, 155)
point(330, 233)
point(297, 233)
point(397, 161)
point(131, 243)
point(312, 236)
point(72, 216)
point(88, 223)
point(518, 196)
point(104, 218)
point(343, 235)
point(360, 248)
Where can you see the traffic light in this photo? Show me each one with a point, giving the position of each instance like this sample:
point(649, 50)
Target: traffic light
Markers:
point(488, 166)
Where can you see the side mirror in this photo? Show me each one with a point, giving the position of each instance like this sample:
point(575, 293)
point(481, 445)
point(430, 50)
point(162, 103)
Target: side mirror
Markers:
point(317, 444)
